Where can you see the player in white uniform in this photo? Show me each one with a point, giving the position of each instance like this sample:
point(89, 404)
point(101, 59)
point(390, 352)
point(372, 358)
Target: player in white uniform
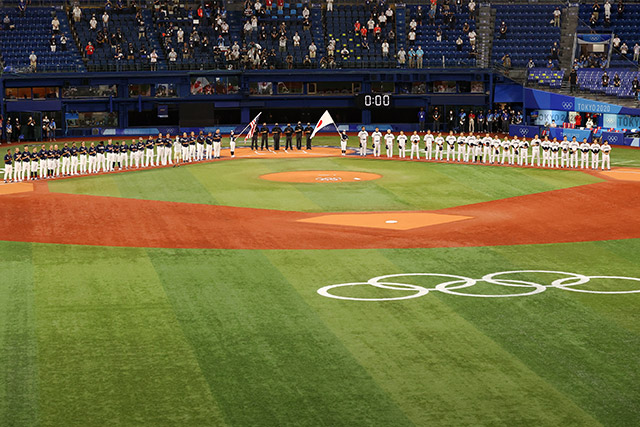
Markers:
point(232, 143)
point(495, 150)
point(555, 150)
point(462, 147)
point(523, 159)
point(177, 149)
point(515, 150)
point(451, 146)
point(606, 157)
point(388, 142)
point(402, 144)
point(415, 144)
point(428, 145)
point(584, 154)
point(439, 147)
point(376, 137)
point(486, 148)
point(545, 146)
point(574, 146)
point(344, 138)
point(506, 146)
point(564, 154)
point(477, 150)
point(363, 135)
point(535, 149)
point(595, 154)
point(471, 146)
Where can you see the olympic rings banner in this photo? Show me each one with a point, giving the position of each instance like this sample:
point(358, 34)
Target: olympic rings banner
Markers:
point(539, 99)
point(453, 284)
point(522, 131)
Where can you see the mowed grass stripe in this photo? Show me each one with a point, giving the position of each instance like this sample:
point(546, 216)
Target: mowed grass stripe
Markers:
point(19, 388)
point(269, 359)
point(404, 186)
point(110, 350)
point(452, 372)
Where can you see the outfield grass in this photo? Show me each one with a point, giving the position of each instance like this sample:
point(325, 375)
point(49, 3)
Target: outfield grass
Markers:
point(404, 186)
point(95, 336)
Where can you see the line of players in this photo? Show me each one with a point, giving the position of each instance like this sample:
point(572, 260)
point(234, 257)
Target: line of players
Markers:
point(70, 160)
point(477, 148)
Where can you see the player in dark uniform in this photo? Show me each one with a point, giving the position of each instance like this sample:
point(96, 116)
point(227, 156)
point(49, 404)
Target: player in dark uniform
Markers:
point(8, 167)
point(307, 132)
point(217, 140)
point(93, 152)
point(288, 134)
point(275, 132)
point(299, 129)
point(35, 159)
point(26, 164)
point(208, 151)
point(254, 140)
point(74, 158)
point(264, 132)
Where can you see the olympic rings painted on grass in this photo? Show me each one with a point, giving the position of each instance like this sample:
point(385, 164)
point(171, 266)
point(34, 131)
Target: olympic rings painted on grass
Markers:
point(393, 282)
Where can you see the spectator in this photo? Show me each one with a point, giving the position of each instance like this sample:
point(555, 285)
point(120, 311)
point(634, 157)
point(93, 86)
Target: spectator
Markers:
point(296, 39)
point(180, 36)
point(605, 80)
point(636, 52)
point(385, 49)
point(577, 120)
point(402, 57)
point(550, 64)
point(344, 53)
point(635, 86)
point(595, 10)
point(556, 17)
point(412, 38)
point(419, 56)
point(306, 62)
point(589, 124)
point(459, 43)
point(620, 8)
point(280, 4)
point(439, 34)
point(22, 7)
point(503, 30)
point(413, 25)
point(33, 62)
point(63, 43)
point(305, 13)
point(555, 53)
point(412, 57)
point(289, 61)
point(607, 10)
point(173, 55)
point(573, 80)
point(247, 28)
point(6, 23)
point(624, 49)
point(76, 12)
point(93, 23)
point(282, 43)
point(53, 43)
point(616, 80)
point(419, 15)
point(472, 39)
point(329, 5)
point(89, 50)
point(55, 25)
point(153, 60)
point(472, 9)
point(616, 42)
point(506, 61)
point(313, 49)
point(389, 14)
point(105, 20)
point(382, 20)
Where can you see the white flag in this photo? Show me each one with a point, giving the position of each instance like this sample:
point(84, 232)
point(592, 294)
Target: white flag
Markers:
point(324, 121)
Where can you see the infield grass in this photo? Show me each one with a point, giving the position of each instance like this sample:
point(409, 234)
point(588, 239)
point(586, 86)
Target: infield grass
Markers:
point(404, 186)
point(94, 336)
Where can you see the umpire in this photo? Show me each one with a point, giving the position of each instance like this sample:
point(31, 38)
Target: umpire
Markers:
point(308, 131)
point(275, 132)
point(288, 134)
point(264, 131)
point(299, 131)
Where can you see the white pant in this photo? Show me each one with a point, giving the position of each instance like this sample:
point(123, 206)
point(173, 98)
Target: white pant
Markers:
point(584, 157)
point(124, 160)
point(92, 164)
point(159, 152)
point(343, 146)
point(606, 161)
point(390, 150)
point(74, 165)
point(66, 166)
point(505, 155)
point(428, 148)
point(439, 152)
point(574, 160)
point(232, 147)
point(148, 160)
point(535, 154)
point(363, 148)
point(546, 159)
point(216, 149)
point(415, 148)
point(185, 154)
point(486, 154)
point(451, 152)
point(376, 149)
point(8, 169)
point(192, 151)
point(199, 151)
point(43, 168)
point(595, 160)
point(208, 152)
point(462, 151)
point(564, 159)
point(101, 164)
point(401, 150)
point(17, 171)
point(554, 159)
point(524, 157)
point(83, 163)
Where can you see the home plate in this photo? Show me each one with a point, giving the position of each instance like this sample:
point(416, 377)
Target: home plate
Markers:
point(402, 221)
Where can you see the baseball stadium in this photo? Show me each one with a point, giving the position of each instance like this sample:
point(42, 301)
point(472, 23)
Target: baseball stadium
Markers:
point(326, 213)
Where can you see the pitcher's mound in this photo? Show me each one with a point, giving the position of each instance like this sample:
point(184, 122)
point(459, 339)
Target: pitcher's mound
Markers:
point(321, 176)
